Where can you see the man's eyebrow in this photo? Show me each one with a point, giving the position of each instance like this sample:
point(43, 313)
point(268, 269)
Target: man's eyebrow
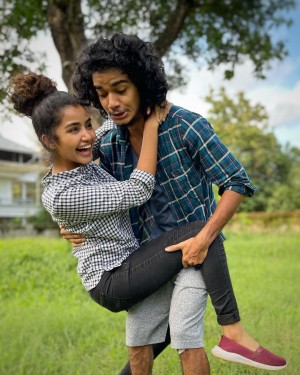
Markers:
point(113, 84)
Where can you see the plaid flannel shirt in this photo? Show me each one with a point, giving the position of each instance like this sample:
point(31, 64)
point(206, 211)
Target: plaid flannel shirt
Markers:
point(191, 158)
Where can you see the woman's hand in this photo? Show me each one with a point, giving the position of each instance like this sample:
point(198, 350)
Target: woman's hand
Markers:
point(157, 116)
point(75, 239)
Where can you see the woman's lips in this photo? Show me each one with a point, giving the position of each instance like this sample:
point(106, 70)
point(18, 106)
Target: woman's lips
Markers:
point(87, 152)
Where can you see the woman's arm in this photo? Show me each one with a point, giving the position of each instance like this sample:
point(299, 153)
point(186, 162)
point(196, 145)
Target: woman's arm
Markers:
point(82, 202)
point(147, 163)
point(148, 156)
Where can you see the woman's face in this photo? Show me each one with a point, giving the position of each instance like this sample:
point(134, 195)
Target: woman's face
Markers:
point(75, 137)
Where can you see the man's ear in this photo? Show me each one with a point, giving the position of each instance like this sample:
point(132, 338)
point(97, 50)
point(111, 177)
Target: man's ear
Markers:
point(46, 142)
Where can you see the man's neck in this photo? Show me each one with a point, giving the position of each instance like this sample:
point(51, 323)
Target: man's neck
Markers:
point(135, 136)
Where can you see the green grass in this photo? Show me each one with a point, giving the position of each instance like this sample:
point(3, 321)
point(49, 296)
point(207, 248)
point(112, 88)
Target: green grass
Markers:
point(49, 325)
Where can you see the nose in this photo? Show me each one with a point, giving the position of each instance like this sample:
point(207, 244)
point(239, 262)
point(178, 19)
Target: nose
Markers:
point(87, 134)
point(113, 101)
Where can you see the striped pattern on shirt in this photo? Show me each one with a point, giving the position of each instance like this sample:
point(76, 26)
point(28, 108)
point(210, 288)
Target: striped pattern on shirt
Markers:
point(191, 158)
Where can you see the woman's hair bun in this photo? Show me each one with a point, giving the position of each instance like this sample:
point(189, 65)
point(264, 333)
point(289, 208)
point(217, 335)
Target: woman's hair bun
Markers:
point(25, 91)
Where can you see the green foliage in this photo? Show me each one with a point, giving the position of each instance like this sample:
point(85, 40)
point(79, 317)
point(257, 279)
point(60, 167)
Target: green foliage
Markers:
point(50, 326)
point(19, 23)
point(274, 171)
point(228, 30)
point(43, 220)
point(211, 31)
point(264, 221)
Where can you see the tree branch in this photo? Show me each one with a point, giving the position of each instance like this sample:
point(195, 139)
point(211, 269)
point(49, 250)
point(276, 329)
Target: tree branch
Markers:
point(173, 26)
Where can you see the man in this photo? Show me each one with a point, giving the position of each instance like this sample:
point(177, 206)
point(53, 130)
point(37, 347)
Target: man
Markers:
point(122, 77)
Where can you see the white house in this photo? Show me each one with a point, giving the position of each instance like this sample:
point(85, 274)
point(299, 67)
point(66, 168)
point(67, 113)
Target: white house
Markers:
point(20, 175)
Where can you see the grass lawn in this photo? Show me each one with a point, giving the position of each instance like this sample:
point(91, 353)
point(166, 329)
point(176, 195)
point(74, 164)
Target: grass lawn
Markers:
point(49, 325)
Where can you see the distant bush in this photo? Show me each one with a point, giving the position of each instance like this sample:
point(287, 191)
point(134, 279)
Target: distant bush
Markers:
point(42, 221)
point(266, 220)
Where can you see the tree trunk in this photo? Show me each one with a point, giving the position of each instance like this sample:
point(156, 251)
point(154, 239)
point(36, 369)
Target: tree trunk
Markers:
point(173, 26)
point(66, 23)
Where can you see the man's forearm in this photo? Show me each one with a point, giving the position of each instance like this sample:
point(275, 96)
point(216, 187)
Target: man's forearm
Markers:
point(225, 210)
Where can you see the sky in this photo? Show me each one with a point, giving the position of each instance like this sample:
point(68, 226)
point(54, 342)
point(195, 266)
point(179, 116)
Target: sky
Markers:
point(279, 93)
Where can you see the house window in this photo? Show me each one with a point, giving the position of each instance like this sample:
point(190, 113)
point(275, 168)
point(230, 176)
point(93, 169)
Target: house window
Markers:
point(31, 192)
point(17, 191)
point(24, 192)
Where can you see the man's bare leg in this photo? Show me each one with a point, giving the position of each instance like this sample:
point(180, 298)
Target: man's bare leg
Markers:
point(141, 359)
point(194, 362)
point(157, 349)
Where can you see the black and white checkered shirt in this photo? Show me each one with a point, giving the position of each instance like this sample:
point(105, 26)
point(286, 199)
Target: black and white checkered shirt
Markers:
point(88, 200)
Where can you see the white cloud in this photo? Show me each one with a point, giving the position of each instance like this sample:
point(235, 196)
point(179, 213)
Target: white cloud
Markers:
point(53, 65)
point(199, 82)
point(20, 130)
point(288, 135)
point(282, 103)
point(278, 93)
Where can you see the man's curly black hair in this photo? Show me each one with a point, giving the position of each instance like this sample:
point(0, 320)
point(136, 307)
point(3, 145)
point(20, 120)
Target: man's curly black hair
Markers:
point(130, 55)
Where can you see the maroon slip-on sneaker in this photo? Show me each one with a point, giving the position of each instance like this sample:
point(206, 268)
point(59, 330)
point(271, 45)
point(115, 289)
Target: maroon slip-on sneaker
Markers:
point(261, 358)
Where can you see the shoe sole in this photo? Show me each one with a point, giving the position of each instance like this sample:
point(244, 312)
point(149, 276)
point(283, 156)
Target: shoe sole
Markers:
point(233, 357)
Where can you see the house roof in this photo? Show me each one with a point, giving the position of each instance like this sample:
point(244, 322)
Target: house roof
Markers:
point(7, 145)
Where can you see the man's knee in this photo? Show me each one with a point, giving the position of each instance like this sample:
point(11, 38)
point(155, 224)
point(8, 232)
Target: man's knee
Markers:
point(141, 359)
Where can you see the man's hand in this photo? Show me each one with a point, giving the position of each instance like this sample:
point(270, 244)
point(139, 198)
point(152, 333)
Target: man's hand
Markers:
point(75, 239)
point(193, 251)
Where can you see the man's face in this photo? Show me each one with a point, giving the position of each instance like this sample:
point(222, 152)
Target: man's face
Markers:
point(118, 96)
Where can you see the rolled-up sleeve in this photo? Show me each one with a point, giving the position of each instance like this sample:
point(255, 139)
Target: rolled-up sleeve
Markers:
point(219, 164)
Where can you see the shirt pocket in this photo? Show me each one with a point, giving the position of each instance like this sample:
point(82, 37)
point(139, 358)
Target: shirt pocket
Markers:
point(181, 175)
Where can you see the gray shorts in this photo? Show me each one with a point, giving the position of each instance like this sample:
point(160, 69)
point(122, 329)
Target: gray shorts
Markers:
point(187, 310)
point(147, 321)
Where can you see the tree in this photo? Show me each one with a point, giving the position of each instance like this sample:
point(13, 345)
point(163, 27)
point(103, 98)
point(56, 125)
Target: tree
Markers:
point(243, 127)
point(213, 31)
point(287, 195)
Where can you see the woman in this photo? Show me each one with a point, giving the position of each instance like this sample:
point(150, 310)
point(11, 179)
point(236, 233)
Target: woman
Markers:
point(83, 198)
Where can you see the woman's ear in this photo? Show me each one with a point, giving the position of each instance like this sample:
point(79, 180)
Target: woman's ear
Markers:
point(46, 142)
